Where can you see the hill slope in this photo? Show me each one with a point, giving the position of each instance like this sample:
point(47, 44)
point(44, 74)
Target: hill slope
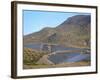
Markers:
point(75, 31)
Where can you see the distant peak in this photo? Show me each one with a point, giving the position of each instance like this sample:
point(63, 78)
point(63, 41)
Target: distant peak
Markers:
point(77, 19)
point(47, 28)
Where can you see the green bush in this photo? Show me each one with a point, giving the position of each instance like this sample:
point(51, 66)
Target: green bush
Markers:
point(31, 56)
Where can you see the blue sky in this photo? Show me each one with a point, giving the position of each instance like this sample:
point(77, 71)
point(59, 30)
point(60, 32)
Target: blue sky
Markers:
point(34, 21)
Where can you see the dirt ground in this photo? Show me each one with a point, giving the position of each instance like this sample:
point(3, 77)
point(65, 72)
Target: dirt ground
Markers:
point(68, 64)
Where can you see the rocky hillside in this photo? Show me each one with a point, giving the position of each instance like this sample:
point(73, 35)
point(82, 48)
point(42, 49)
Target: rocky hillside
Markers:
point(75, 31)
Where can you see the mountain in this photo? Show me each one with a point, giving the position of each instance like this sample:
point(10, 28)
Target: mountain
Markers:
point(75, 31)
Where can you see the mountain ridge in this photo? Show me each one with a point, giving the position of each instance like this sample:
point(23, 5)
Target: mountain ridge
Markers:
point(74, 31)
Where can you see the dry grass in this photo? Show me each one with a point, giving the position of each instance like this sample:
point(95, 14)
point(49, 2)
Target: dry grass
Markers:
point(67, 64)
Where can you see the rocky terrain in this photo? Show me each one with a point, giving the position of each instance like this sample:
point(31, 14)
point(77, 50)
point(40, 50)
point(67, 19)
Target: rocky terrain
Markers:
point(75, 31)
point(73, 34)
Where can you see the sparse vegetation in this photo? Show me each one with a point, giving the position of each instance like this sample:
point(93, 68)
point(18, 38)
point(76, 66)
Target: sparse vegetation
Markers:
point(32, 56)
point(73, 32)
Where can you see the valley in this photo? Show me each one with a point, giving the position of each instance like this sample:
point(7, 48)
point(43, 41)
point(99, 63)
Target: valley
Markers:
point(66, 45)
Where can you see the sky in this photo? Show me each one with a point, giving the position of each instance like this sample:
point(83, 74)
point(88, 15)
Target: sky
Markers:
point(34, 21)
